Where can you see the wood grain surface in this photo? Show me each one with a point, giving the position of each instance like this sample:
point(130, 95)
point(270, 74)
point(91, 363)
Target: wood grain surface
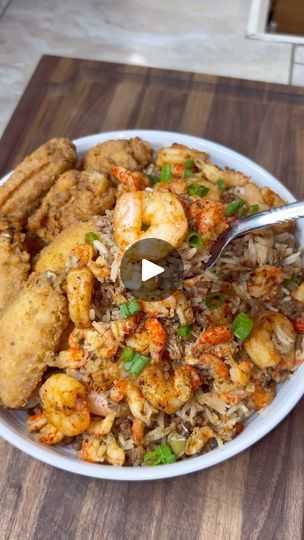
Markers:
point(260, 493)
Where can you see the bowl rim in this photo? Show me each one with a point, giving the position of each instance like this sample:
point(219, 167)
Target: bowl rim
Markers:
point(73, 464)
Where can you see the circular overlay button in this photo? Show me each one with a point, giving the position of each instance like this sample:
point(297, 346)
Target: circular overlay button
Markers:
point(151, 269)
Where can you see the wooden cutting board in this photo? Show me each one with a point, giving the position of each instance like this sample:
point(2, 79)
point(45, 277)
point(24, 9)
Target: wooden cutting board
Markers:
point(256, 495)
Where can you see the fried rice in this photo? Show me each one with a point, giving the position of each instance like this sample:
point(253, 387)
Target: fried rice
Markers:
point(226, 377)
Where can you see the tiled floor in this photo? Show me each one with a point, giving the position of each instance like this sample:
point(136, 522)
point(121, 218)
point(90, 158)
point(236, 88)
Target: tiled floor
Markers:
point(203, 36)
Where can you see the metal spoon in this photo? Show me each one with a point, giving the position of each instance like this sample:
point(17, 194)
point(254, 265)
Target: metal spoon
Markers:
point(251, 223)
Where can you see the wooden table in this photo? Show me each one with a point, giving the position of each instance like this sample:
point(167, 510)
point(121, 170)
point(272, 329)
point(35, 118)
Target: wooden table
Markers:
point(258, 494)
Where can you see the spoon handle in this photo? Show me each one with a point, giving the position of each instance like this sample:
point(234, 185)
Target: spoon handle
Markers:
point(269, 217)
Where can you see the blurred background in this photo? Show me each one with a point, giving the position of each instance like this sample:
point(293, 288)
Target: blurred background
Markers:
point(251, 39)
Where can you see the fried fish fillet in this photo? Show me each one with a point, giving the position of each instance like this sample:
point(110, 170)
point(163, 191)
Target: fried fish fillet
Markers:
point(54, 256)
point(30, 330)
point(133, 154)
point(74, 197)
point(30, 181)
point(14, 269)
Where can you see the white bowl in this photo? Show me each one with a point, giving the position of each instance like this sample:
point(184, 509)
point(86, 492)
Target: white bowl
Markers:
point(12, 426)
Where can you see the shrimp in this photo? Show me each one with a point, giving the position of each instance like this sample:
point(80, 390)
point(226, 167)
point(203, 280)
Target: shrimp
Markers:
point(93, 450)
point(261, 396)
point(98, 451)
point(218, 334)
point(79, 293)
point(176, 303)
point(229, 176)
point(209, 218)
point(65, 405)
point(198, 439)
point(265, 281)
point(251, 194)
point(138, 430)
point(271, 341)
point(81, 255)
point(240, 372)
point(168, 392)
point(133, 181)
point(100, 340)
point(71, 358)
point(138, 405)
point(98, 403)
point(151, 339)
point(114, 454)
point(177, 154)
point(48, 433)
point(102, 427)
point(162, 213)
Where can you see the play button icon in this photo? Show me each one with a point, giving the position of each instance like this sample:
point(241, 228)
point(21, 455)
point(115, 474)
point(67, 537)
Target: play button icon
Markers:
point(151, 269)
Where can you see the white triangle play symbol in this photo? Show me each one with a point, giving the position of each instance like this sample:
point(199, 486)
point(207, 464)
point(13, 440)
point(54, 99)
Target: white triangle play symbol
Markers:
point(150, 270)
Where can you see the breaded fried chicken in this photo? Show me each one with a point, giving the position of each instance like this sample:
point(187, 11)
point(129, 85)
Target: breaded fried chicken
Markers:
point(74, 197)
point(14, 268)
point(133, 154)
point(30, 330)
point(30, 181)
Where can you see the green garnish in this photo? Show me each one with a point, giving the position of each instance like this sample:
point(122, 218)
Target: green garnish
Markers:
point(221, 184)
point(177, 443)
point(187, 174)
point(139, 363)
point(233, 207)
point(153, 179)
point(214, 300)
point(198, 190)
point(161, 456)
point(189, 163)
point(129, 308)
point(194, 239)
point(254, 208)
point(133, 362)
point(242, 326)
point(165, 173)
point(89, 237)
point(185, 331)
point(134, 307)
point(127, 354)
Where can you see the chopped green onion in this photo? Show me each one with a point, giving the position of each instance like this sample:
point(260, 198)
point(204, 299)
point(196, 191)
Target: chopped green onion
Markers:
point(187, 174)
point(194, 239)
point(152, 458)
point(177, 443)
point(153, 179)
point(189, 163)
point(134, 363)
point(89, 237)
point(214, 300)
point(129, 308)
point(165, 173)
point(139, 362)
point(254, 208)
point(234, 206)
point(124, 310)
point(197, 189)
point(242, 326)
point(134, 307)
point(221, 184)
point(185, 331)
point(127, 354)
point(162, 455)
